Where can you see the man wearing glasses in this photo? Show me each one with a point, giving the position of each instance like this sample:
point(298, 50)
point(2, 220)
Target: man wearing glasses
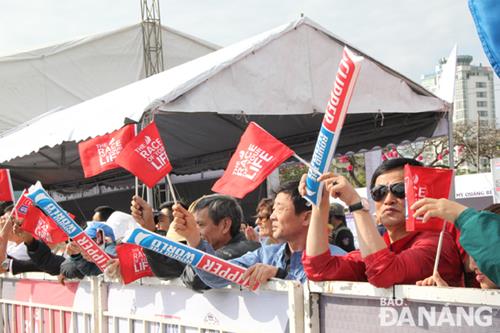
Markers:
point(398, 257)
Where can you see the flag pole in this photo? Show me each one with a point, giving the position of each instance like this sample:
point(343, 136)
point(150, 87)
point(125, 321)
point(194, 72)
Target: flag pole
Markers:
point(171, 187)
point(438, 251)
point(307, 164)
point(136, 179)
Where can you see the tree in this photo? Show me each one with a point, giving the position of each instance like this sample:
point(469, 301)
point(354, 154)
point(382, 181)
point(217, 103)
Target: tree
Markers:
point(351, 166)
point(435, 151)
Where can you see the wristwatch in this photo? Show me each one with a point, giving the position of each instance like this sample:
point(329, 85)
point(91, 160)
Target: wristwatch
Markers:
point(6, 264)
point(362, 205)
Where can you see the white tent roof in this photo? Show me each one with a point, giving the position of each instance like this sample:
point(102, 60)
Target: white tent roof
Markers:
point(205, 103)
point(59, 76)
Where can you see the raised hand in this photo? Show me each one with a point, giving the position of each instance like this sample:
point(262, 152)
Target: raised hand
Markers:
point(142, 213)
point(185, 225)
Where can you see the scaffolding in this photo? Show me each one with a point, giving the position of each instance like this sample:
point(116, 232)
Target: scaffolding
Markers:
point(151, 37)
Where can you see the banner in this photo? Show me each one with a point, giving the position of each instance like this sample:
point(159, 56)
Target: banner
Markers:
point(187, 255)
point(422, 182)
point(145, 156)
point(98, 154)
point(42, 200)
point(256, 156)
point(133, 262)
point(6, 191)
point(42, 227)
point(333, 120)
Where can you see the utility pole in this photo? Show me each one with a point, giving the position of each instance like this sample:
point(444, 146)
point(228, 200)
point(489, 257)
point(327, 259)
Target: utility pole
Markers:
point(151, 37)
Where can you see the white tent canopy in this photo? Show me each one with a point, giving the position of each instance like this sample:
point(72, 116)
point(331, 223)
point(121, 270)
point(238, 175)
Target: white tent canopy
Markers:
point(59, 76)
point(281, 79)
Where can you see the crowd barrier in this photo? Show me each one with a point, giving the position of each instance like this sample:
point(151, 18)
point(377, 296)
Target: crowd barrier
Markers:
point(38, 303)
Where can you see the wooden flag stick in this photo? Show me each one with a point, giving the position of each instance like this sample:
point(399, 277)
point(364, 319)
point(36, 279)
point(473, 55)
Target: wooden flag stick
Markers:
point(136, 179)
point(438, 251)
point(307, 164)
point(171, 187)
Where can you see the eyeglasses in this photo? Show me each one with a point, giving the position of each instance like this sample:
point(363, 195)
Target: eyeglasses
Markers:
point(380, 191)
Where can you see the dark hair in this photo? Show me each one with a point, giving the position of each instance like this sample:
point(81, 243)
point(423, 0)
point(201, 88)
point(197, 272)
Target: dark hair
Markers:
point(5, 206)
point(168, 205)
point(264, 203)
point(391, 164)
point(219, 207)
point(104, 211)
point(292, 189)
point(494, 208)
point(335, 212)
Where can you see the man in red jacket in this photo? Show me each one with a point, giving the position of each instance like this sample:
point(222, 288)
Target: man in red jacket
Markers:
point(399, 257)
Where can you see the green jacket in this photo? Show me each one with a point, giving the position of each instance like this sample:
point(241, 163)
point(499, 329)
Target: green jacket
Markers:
point(480, 237)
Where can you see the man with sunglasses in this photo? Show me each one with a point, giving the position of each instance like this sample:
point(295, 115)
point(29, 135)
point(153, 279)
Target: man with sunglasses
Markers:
point(398, 257)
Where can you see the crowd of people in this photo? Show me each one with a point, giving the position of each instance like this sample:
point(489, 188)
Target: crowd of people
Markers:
point(291, 239)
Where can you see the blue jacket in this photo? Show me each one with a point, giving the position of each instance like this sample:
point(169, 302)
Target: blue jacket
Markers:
point(274, 255)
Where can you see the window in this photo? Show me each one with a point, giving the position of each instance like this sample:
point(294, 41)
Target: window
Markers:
point(483, 123)
point(483, 113)
point(480, 84)
point(482, 103)
point(481, 94)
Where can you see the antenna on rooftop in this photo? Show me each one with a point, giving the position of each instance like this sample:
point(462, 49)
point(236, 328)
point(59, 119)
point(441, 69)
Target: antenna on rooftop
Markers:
point(151, 37)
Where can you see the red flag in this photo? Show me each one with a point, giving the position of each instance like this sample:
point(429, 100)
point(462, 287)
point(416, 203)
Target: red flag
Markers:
point(6, 192)
point(133, 262)
point(42, 227)
point(256, 156)
point(422, 182)
point(98, 154)
point(145, 156)
point(22, 205)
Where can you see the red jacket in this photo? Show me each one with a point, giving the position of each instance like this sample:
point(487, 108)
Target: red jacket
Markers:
point(403, 262)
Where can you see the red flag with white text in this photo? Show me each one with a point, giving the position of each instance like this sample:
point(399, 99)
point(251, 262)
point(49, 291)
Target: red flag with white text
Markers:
point(425, 182)
point(145, 156)
point(42, 227)
point(133, 262)
point(6, 192)
point(98, 154)
point(256, 156)
point(22, 205)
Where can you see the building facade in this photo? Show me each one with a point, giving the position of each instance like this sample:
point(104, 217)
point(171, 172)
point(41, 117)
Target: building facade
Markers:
point(474, 92)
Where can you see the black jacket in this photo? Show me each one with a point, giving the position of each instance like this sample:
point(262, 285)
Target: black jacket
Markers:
point(41, 260)
point(41, 255)
point(167, 268)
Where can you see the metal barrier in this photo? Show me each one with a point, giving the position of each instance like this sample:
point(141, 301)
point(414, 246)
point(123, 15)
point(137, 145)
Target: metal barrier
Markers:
point(360, 307)
point(37, 303)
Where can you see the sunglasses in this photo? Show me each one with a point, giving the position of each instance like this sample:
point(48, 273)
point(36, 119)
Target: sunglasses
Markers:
point(380, 191)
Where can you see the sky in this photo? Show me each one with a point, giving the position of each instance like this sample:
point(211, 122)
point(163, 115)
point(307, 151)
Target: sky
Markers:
point(409, 36)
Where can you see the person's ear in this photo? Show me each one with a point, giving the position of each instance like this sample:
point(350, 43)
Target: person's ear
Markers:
point(226, 225)
point(306, 218)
